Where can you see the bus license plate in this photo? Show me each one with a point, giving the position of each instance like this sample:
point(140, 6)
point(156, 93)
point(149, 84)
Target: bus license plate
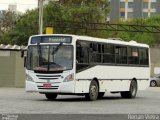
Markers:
point(47, 85)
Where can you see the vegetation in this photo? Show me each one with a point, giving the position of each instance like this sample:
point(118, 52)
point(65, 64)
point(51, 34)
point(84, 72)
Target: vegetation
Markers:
point(65, 10)
point(148, 38)
point(17, 28)
point(7, 22)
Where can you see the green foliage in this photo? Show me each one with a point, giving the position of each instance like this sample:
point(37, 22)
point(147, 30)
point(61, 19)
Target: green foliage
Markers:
point(24, 27)
point(86, 11)
point(148, 38)
point(65, 10)
point(76, 11)
point(7, 22)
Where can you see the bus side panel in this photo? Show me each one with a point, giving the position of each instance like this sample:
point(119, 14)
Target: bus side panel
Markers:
point(143, 84)
point(114, 85)
point(82, 86)
point(113, 78)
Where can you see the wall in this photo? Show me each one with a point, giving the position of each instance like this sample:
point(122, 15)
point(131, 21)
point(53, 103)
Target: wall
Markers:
point(12, 72)
point(19, 70)
point(155, 58)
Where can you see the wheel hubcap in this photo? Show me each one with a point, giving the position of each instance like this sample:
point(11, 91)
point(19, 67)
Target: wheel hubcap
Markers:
point(93, 90)
point(153, 83)
point(134, 88)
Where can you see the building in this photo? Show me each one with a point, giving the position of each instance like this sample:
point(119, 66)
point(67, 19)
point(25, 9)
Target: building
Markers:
point(12, 7)
point(129, 9)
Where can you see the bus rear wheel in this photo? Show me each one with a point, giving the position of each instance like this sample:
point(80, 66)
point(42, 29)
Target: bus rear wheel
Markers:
point(153, 83)
point(132, 92)
point(93, 91)
point(51, 96)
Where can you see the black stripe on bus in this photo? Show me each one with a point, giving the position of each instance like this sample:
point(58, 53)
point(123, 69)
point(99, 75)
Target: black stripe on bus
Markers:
point(113, 79)
point(84, 66)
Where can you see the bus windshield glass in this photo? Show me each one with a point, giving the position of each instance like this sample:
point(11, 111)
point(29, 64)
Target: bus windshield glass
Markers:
point(50, 57)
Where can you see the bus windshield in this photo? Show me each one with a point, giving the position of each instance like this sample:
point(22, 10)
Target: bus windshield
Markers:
point(50, 57)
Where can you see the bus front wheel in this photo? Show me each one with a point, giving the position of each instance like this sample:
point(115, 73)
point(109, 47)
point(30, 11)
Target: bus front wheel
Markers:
point(51, 96)
point(132, 91)
point(93, 91)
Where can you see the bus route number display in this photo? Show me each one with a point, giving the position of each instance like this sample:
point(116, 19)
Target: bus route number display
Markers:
point(50, 39)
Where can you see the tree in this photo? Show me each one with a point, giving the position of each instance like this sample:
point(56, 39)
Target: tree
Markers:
point(148, 38)
point(84, 11)
point(65, 10)
point(7, 23)
point(24, 26)
point(7, 20)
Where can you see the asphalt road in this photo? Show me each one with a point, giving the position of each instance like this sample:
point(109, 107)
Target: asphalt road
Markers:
point(17, 101)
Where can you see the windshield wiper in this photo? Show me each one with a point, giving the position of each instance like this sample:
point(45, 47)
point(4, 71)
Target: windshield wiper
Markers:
point(39, 53)
point(57, 48)
point(39, 49)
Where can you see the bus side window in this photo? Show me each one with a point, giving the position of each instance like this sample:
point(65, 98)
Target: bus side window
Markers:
point(117, 50)
point(108, 53)
point(117, 54)
point(143, 56)
point(82, 54)
point(99, 48)
point(133, 55)
point(91, 45)
point(94, 47)
point(95, 53)
point(78, 54)
point(121, 54)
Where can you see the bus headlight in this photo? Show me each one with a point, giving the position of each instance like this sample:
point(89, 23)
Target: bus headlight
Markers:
point(69, 78)
point(29, 78)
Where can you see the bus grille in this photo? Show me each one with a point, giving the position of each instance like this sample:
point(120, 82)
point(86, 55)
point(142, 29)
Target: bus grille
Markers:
point(48, 77)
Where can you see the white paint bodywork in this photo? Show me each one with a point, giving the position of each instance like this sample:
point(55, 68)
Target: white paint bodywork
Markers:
point(63, 87)
point(111, 78)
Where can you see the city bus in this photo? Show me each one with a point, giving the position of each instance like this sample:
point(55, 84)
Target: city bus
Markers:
point(82, 65)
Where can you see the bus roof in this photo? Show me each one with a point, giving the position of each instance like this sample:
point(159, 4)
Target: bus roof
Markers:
point(108, 40)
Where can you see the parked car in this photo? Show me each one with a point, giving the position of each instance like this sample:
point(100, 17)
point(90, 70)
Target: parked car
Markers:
point(155, 80)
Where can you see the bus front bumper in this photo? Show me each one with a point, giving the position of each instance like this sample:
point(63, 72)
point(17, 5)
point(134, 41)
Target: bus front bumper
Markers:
point(63, 87)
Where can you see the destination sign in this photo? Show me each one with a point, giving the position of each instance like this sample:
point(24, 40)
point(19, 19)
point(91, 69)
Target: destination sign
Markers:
point(51, 39)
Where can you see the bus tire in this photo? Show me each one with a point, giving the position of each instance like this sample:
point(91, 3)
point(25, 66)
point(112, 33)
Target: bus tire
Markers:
point(153, 83)
point(132, 92)
point(100, 95)
point(51, 96)
point(93, 91)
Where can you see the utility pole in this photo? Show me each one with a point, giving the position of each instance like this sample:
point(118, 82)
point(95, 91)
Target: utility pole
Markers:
point(40, 6)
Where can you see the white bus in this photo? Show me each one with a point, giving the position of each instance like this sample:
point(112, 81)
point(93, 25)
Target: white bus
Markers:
point(81, 65)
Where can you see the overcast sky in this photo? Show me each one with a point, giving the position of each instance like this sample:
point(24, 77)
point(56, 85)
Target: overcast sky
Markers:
point(22, 5)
